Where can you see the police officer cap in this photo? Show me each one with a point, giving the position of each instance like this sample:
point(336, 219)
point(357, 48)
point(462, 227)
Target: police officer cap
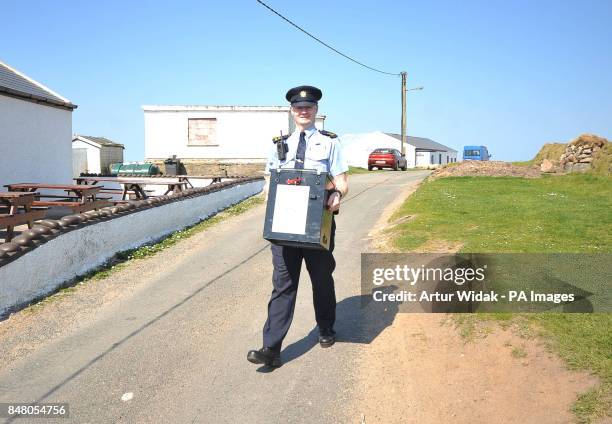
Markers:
point(304, 95)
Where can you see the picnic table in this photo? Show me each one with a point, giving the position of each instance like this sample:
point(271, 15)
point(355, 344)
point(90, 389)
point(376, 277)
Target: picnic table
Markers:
point(85, 198)
point(213, 178)
point(135, 186)
point(16, 208)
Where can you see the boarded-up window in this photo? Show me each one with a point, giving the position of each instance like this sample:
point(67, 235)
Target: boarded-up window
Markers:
point(202, 132)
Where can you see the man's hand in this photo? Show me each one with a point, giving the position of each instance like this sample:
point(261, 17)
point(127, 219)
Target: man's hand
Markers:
point(341, 184)
point(266, 187)
point(333, 203)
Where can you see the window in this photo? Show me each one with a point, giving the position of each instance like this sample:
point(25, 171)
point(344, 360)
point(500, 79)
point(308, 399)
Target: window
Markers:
point(471, 153)
point(202, 132)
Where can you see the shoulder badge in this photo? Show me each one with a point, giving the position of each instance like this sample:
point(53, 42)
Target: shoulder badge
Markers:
point(328, 134)
point(279, 138)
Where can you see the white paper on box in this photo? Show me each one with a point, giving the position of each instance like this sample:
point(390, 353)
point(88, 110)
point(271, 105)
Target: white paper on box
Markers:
point(290, 209)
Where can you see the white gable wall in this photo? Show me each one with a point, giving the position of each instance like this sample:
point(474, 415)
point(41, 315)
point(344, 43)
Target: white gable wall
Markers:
point(423, 159)
point(241, 133)
point(35, 143)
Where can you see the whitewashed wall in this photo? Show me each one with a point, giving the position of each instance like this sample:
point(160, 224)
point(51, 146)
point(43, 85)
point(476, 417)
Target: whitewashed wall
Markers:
point(242, 132)
point(79, 161)
point(31, 276)
point(35, 143)
point(425, 159)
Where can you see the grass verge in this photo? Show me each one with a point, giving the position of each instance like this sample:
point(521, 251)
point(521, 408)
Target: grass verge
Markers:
point(523, 163)
point(357, 170)
point(568, 213)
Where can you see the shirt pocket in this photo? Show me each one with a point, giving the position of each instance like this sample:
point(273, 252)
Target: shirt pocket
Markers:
point(317, 152)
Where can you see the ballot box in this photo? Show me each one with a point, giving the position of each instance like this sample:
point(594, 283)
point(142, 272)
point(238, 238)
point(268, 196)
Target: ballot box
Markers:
point(296, 212)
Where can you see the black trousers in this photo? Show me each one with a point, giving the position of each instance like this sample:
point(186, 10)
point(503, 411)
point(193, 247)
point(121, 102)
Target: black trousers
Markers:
point(287, 263)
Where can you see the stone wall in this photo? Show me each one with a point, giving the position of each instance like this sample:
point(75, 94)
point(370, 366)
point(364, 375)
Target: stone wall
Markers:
point(578, 155)
point(215, 167)
point(51, 254)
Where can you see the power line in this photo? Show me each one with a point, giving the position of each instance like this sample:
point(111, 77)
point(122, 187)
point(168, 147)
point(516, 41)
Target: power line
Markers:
point(322, 42)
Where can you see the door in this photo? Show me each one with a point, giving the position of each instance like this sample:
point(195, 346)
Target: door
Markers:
point(79, 161)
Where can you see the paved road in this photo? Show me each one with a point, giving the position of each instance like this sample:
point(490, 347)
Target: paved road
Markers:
point(178, 342)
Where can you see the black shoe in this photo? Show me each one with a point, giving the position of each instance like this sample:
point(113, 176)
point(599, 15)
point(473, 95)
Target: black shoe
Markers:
point(327, 337)
point(266, 356)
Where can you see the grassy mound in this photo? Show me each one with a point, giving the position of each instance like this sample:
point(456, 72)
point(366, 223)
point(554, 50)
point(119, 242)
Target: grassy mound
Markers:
point(550, 151)
point(602, 161)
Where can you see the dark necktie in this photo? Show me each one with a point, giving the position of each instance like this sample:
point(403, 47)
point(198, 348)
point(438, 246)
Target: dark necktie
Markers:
point(301, 152)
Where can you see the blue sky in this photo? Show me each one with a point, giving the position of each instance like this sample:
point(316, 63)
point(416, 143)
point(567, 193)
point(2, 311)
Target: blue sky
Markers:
point(511, 75)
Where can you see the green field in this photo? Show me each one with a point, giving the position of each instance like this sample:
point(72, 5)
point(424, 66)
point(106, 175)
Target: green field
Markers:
point(571, 213)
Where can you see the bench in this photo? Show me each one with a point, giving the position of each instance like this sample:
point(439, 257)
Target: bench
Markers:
point(76, 207)
point(10, 221)
point(121, 192)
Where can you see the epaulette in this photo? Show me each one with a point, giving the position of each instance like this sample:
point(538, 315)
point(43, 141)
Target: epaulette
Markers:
point(328, 133)
point(279, 138)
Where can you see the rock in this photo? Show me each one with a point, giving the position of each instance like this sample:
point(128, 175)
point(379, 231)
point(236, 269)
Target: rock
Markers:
point(581, 167)
point(547, 166)
point(586, 160)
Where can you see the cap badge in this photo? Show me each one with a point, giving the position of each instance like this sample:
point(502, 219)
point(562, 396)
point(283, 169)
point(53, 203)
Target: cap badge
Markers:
point(302, 93)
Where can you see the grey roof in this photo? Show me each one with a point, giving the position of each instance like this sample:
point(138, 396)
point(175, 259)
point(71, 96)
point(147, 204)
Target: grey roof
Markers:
point(423, 144)
point(100, 140)
point(16, 84)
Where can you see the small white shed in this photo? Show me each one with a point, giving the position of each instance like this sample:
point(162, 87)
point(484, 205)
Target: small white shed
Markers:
point(94, 154)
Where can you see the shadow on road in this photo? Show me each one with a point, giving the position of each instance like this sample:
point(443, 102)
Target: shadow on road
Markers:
point(358, 320)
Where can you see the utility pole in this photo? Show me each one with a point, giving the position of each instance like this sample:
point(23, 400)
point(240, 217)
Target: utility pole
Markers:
point(404, 89)
point(403, 74)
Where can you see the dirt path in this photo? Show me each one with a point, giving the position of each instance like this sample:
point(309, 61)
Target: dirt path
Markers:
point(430, 374)
point(422, 370)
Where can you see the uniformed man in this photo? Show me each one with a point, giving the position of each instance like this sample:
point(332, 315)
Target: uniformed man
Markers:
point(306, 148)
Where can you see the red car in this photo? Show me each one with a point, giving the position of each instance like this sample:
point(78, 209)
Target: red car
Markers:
point(387, 158)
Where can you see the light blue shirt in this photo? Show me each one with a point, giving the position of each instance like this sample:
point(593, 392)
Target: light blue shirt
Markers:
point(322, 153)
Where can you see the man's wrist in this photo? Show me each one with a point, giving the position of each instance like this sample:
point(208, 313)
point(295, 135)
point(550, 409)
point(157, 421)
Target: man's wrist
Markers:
point(335, 190)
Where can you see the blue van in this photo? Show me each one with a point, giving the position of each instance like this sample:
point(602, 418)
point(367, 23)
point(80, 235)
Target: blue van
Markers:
point(476, 153)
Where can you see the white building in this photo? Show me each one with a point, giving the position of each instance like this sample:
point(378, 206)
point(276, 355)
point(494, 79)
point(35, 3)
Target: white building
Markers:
point(35, 131)
point(216, 136)
point(94, 154)
point(420, 152)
